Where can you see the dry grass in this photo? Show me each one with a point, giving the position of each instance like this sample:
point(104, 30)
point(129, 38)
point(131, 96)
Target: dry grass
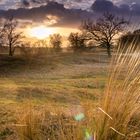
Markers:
point(117, 118)
point(43, 124)
point(62, 80)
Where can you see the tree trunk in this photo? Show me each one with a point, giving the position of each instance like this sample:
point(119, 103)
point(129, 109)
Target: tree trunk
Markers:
point(10, 50)
point(109, 50)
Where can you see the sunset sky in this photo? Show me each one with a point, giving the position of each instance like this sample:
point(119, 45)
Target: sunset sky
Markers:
point(63, 16)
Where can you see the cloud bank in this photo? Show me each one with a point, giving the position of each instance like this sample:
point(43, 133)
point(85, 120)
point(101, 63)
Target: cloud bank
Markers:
point(59, 15)
point(125, 9)
point(62, 16)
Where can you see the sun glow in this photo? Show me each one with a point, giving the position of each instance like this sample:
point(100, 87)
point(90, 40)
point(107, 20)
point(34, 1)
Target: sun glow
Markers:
point(41, 32)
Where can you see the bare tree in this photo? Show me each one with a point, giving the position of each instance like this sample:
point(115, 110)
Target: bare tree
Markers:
point(56, 41)
point(12, 37)
point(41, 47)
point(41, 44)
point(77, 41)
point(105, 29)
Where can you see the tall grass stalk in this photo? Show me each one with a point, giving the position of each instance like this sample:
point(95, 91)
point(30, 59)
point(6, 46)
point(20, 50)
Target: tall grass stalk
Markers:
point(116, 119)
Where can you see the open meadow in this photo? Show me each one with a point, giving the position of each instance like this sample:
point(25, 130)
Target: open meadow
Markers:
point(70, 96)
point(61, 80)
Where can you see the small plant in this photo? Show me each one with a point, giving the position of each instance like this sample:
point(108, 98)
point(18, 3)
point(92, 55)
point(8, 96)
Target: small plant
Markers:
point(5, 133)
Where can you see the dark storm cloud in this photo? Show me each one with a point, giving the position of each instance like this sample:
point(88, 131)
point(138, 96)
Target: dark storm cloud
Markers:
point(68, 17)
point(35, 1)
point(135, 8)
point(25, 3)
point(108, 6)
point(103, 5)
point(58, 15)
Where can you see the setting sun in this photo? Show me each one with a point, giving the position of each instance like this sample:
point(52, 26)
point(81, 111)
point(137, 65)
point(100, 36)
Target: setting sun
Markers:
point(40, 32)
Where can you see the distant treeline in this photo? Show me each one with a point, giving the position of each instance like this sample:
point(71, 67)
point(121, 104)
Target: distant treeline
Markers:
point(101, 33)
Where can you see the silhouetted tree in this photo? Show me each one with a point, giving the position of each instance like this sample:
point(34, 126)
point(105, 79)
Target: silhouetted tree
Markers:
point(41, 44)
point(104, 30)
point(56, 41)
point(136, 31)
point(42, 47)
point(127, 40)
point(12, 37)
point(77, 41)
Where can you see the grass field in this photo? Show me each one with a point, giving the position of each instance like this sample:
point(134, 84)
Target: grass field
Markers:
point(59, 80)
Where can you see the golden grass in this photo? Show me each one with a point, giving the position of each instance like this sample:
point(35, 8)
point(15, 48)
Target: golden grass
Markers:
point(46, 124)
point(116, 118)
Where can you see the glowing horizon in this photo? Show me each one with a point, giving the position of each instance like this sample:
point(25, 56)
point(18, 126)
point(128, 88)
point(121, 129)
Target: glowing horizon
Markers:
point(41, 32)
